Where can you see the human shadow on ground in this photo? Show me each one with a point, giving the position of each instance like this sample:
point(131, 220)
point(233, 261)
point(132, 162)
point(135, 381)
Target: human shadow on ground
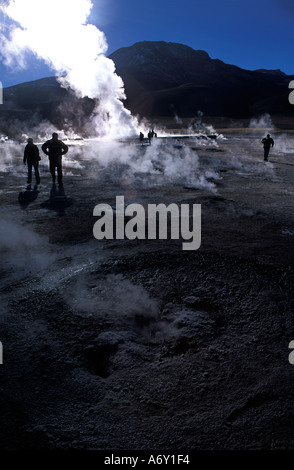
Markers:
point(26, 197)
point(58, 200)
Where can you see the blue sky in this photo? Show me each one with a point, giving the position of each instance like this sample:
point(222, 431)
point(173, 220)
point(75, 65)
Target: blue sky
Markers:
point(252, 34)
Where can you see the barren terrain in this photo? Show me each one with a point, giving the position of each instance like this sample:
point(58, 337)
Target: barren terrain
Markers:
point(120, 344)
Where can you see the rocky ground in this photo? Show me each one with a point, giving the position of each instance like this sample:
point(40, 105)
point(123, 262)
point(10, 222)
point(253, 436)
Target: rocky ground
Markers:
point(129, 345)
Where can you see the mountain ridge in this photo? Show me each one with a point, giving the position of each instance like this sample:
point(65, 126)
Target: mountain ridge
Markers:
point(227, 90)
point(161, 79)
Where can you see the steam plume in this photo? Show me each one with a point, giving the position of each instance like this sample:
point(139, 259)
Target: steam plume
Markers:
point(57, 32)
point(262, 122)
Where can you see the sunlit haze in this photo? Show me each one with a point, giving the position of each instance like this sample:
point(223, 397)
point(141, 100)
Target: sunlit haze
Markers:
point(69, 45)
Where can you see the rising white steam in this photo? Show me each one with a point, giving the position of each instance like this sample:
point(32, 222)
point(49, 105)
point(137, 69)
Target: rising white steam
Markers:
point(57, 32)
point(261, 122)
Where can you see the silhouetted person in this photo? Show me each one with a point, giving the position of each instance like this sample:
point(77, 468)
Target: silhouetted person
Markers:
point(55, 149)
point(31, 158)
point(150, 136)
point(267, 144)
point(141, 137)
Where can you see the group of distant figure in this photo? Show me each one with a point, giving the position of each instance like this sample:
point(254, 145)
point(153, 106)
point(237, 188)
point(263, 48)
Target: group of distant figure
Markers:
point(267, 142)
point(55, 149)
point(150, 136)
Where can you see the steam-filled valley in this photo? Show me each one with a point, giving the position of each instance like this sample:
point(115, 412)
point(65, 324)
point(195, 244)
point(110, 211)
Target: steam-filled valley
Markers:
point(143, 342)
point(137, 344)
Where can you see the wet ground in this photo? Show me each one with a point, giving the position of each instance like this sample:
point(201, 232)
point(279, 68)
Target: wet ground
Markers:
point(137, 344)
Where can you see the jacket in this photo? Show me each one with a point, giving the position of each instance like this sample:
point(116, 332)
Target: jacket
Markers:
point(54, 148)
point(31, 154)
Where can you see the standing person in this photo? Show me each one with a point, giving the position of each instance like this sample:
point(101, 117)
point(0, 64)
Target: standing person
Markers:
point(55, 149)
point(31, 158)
point(267, 142)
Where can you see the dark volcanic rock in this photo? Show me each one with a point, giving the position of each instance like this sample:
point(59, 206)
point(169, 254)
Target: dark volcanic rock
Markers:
point(162, 79)
point(26, 105)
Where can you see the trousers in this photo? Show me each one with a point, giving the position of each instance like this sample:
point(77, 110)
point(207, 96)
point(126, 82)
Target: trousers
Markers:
point(30, 171)
point(266, 152)
point(55, 163)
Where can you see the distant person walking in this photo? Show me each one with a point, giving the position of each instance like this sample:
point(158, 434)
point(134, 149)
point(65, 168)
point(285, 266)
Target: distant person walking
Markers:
point(150, 136)
point(267, 142)
point(31, 158)
point(55, 149)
